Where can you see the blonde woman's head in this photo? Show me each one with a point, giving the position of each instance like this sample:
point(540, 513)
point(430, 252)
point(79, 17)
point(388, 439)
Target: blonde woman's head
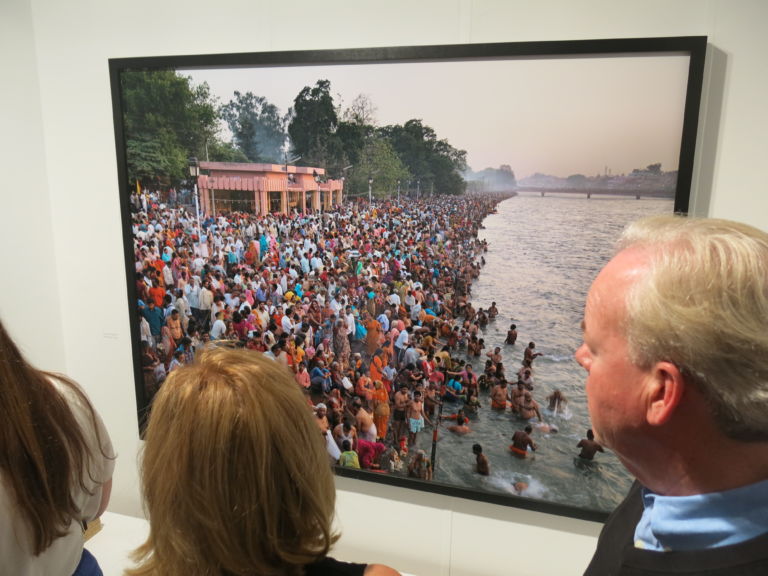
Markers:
point(235, 474)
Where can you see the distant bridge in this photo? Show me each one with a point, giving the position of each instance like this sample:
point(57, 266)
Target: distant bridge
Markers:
point(589, 192)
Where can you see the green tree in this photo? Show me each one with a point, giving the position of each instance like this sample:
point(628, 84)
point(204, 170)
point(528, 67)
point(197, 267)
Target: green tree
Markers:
point(218, 151)
point(351, 139)
point(258, 129)
point(312, 126)
point(379, 161)
point(166, 119)
point(434, 163)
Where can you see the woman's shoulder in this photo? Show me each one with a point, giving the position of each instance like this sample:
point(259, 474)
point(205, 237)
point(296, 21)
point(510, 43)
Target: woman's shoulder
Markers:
point(331, 567)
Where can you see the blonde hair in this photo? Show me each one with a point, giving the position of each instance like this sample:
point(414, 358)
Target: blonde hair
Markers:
point(704, 306)
point(235, 475)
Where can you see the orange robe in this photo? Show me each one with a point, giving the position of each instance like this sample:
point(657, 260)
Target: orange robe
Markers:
point(381, 411)
point(376, 367)
point(373, 337)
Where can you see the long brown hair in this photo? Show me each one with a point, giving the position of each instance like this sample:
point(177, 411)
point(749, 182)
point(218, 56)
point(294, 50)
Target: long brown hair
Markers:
point(43, 452)
point(235, 475)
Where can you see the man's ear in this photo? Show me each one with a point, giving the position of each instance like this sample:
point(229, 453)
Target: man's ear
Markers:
point(665, 389)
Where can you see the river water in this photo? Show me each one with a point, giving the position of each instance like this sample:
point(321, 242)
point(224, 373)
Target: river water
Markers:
point(543, 253)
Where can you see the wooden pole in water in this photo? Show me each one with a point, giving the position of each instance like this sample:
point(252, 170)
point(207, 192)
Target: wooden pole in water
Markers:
point(434, 440)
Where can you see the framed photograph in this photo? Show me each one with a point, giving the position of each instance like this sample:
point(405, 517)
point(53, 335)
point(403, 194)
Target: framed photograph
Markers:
point(320, 205)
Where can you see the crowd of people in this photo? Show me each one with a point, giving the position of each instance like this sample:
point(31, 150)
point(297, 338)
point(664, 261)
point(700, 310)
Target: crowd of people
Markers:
point(370, 307)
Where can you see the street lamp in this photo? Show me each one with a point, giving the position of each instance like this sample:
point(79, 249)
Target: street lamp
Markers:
point(398, 191)
point(370, 184)
point(290, 161)
point(194, 172)
point(418, 189)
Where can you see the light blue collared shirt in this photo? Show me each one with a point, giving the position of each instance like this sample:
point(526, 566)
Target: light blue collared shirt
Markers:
point(703, 520)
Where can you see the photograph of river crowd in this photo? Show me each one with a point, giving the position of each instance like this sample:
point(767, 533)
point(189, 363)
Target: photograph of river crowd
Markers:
point(413, 241)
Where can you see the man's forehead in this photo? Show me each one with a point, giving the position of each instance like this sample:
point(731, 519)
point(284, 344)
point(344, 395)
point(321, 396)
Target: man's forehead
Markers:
point(609, 289)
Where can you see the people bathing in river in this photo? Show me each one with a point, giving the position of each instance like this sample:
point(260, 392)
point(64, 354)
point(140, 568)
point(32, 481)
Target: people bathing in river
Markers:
point(420, 466)
point(529, 353)
point(529, 408)
point(472, 402)
point(459, 414)
point(557, 402)
point(525, 366)
point(517, 396)
point(495, 356)
point(522, 441)
point(461, 428)
point(511, 334)
point(499, 396)
point(482, 466)
point(589, 447)
point(527, 379)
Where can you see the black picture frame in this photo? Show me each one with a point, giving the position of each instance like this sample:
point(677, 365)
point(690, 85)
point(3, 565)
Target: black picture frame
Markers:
point(694, 47)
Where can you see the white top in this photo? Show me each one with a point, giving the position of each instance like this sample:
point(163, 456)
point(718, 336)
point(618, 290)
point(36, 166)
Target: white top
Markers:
point(63, 555)
point(218, 329)
point(286, 324)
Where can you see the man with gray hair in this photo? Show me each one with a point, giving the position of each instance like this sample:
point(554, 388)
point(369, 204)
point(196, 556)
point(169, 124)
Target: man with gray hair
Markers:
point(676, 351)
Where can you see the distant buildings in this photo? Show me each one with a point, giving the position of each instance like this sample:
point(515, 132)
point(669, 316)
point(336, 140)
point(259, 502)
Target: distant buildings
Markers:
point(266, 188)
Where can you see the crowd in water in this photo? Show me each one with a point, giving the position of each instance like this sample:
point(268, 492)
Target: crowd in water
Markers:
point(368, 305)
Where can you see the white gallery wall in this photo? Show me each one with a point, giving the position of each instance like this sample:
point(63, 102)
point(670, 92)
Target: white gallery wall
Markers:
point(63, 290)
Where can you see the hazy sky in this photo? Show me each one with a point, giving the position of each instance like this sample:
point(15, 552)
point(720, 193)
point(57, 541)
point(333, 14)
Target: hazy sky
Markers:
point(554, 116)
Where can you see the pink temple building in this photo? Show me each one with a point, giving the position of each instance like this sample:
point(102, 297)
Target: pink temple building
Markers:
point(266, 188)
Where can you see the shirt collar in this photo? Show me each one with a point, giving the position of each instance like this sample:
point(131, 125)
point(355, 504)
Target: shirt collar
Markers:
point(702, 521)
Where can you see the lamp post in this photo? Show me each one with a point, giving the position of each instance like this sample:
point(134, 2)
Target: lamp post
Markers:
point(319, 194)
point(194, 172)
point(398, 191)
point(370, 184)
point(418, 189)
point(343, 179)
